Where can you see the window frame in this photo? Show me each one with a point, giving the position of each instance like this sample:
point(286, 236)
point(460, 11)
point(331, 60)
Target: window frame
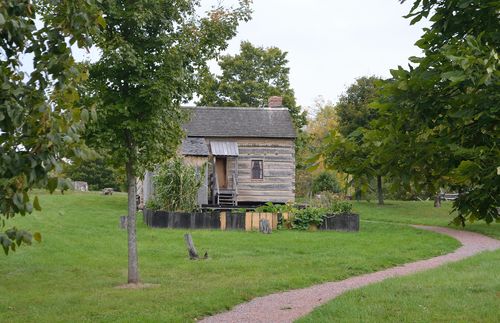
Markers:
point(261, 163)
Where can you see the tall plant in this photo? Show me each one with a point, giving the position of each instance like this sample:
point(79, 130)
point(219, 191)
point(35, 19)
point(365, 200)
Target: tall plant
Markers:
point(176, 186)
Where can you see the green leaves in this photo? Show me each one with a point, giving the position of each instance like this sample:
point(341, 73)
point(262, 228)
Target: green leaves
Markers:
point(13, 238)
point(439, 127)
point(454, 76)
point(249, 79)
point(36, 204)
point(39, 112)
point(52, 184)
point(176, 185)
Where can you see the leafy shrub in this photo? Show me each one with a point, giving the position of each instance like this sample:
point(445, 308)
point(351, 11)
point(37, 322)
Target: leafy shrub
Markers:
point(269, 207)
point(289, 208)
point(153, 204)
point(311, 215)
point(325, 182)
point(176, 186)
point(332, 203)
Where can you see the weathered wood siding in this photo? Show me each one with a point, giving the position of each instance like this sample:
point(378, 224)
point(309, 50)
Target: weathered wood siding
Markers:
point(278, 156)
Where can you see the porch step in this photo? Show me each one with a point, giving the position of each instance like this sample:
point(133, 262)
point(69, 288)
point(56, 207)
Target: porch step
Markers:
point(226, 198)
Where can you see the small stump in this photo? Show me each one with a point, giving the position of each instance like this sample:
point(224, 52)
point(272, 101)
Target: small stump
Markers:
point(265, 227)
point(193, 254)
point(123, 221)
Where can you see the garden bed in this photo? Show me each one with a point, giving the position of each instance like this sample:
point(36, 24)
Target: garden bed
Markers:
point(182, 220)
point(341, 222)
point(227, 220)
point(216, 220)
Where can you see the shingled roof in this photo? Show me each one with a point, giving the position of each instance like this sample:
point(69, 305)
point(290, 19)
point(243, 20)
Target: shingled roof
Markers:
point(194, 147)
point(239, 122)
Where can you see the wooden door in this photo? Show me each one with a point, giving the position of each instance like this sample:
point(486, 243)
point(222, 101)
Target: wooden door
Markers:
point(221, 171)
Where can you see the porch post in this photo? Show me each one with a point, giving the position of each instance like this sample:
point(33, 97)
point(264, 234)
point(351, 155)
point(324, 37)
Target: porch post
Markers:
point(236, 180)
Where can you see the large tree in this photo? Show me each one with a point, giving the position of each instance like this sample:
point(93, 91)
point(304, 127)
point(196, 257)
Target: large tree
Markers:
point(347, 148)
point(40, 119)
point(249, 79)
point(439, 118)
point(151, 51)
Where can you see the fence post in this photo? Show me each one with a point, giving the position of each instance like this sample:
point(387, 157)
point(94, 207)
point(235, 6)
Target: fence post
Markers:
point(223, 220)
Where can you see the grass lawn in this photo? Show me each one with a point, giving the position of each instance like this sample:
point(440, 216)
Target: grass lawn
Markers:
point(417, 212)
point(72, 275)
point(466, 291)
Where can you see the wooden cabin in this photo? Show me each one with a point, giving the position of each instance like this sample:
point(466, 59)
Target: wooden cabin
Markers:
point(248, 154)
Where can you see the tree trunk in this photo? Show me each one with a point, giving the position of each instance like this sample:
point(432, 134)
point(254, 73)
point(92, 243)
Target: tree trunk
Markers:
point(380, 193)
point(437, 200)
point(133, 265)
point(193, 254)
point(357, 194)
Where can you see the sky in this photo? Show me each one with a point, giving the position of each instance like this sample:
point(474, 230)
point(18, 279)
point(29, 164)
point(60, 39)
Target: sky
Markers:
point(330, 43)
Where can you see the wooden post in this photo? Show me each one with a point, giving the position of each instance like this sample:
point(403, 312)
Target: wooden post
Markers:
point(123, 222)
point(248, 221)
point(264, 226)
point(223, 220)
point(193, 254)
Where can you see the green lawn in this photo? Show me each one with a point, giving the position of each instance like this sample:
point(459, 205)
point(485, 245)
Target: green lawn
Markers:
point(467, 291)
point(72, 275)
point(416, 212)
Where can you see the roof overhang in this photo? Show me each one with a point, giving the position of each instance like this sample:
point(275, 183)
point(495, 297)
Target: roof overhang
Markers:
point(224, 148)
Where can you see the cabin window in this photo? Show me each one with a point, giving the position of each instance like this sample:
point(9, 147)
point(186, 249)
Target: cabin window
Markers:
point(257, 169)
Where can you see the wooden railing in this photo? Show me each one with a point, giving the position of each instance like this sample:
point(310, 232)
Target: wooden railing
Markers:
point(216, 187)
point(235, 188)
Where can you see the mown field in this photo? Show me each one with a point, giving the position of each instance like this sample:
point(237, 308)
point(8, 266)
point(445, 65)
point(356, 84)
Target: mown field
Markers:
point(73, 274)
point(466, 291)
point(416, 212)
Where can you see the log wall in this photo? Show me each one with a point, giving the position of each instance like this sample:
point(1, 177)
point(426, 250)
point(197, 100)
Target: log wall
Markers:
point(278, 156)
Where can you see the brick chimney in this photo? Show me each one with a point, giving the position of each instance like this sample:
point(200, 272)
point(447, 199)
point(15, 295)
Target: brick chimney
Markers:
point(275, 102)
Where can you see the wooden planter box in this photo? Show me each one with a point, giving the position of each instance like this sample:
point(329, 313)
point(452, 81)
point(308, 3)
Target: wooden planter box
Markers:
point(182, 220)
point(341, 222)
point(208, 220)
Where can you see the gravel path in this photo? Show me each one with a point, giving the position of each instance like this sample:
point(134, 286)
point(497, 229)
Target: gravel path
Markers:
point(289, 306)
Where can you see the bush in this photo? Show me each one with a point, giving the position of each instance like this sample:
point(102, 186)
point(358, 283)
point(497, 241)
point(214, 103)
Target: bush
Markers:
point(269, 207)
point(305, 217)
point(332, 203)
point(176, 186)
point(325, 182)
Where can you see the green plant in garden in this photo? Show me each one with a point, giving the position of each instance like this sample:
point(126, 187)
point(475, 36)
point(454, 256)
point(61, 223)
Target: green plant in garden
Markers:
point(40, 116)
point(176, 186)
point(270, 207)
point(305, 217)
point(332, 203)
